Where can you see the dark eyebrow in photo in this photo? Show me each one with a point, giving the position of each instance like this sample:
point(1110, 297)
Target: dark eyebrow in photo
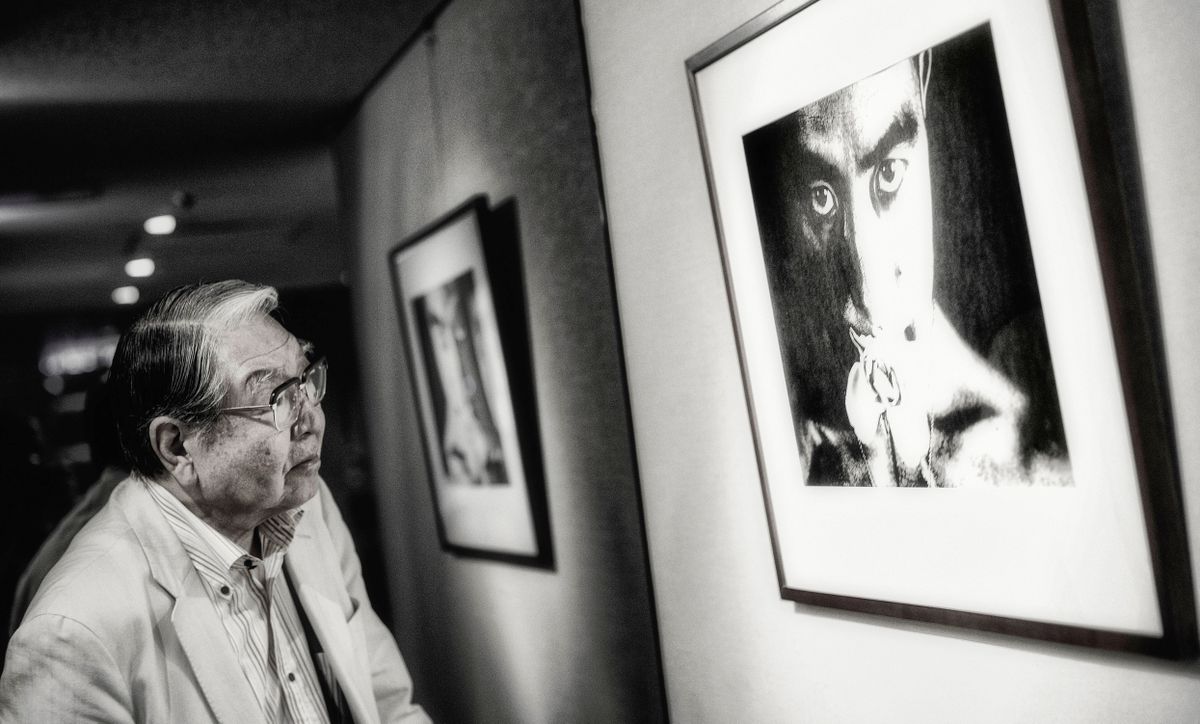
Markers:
point(812, 166)
point(902, 130)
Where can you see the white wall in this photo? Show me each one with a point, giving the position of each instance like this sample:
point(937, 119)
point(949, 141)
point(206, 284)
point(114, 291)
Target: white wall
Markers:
point(732, 649)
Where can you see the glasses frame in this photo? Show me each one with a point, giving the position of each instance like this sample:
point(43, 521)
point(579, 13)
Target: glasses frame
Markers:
point(278, 392)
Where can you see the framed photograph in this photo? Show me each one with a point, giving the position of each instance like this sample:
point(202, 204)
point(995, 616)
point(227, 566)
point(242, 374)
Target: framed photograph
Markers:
point(951, 359)
point(470, 372)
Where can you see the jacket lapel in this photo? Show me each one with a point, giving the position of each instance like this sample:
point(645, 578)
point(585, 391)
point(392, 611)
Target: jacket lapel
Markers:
point(335, 638)
point(196, 623)
point(318, 582)
point(217, 669)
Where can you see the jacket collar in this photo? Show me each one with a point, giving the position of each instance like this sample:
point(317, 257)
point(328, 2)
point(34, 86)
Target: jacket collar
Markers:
point(193, 618)
point(316, 574)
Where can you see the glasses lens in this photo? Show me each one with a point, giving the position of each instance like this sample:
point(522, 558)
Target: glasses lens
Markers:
point(286, 405)
point(315, 379)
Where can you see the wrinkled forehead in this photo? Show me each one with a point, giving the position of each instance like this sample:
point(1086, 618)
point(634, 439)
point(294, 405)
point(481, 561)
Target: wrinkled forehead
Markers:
point(849, 122)
point(258, 343)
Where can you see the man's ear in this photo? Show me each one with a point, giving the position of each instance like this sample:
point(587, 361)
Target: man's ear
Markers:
point(167, 438)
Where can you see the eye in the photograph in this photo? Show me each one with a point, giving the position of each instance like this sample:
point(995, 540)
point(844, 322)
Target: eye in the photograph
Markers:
point(888, 177)
point(823, 199)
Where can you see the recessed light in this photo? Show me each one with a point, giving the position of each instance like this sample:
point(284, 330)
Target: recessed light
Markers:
point(141, 267)
point(159, 225)
point(125, 295)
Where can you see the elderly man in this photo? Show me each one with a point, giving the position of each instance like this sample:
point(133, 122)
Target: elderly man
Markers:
point(884, 390)
point(219, 583)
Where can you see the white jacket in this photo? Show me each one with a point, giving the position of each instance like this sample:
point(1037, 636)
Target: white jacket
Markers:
point(121, 629)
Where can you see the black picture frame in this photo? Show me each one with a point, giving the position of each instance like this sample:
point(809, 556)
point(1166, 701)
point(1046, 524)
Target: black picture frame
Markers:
point(1082, 39)
point(460, 300)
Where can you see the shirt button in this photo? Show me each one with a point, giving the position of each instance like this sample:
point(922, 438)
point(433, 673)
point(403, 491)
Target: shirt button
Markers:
point(291, 676)
point(224, 590)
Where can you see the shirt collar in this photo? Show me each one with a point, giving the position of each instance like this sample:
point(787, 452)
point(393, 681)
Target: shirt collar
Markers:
point(211, 552)
point(280, 529)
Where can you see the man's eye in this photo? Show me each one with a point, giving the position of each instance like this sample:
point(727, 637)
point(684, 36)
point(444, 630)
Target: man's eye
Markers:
point(890, 175)
point(822, 198)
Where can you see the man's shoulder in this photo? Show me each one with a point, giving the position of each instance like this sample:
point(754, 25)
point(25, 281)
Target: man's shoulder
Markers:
point(97, 575)
point(991, 425)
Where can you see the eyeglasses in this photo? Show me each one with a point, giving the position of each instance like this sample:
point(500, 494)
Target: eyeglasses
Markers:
point(285, 399)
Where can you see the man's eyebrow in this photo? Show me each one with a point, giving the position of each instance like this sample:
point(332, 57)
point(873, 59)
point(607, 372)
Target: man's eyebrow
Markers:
point(259, 377)
point(903, 129)
point(264, 375)
point(812, 165)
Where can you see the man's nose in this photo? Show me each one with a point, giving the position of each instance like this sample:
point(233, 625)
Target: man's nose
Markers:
point(875, 248)
point(306, 415)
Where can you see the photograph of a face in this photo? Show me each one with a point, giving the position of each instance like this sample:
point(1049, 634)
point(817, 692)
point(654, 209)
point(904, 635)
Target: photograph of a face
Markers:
point(902, 282)
point(472, 387)
point(928, 284)
point(449, 327)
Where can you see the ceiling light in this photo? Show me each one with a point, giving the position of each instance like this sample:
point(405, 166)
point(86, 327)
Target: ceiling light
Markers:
point(141, 267)
point(125, 295)
point(159, 225)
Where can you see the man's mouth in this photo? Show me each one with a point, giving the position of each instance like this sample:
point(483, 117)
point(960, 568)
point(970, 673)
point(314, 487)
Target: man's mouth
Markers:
point(309, 464)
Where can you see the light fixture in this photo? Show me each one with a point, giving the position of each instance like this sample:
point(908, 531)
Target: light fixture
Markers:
point(140, 267)
point(159, 225)
point(125, 295)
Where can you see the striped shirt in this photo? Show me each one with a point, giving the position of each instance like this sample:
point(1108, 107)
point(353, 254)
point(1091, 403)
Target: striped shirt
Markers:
point(256, 608)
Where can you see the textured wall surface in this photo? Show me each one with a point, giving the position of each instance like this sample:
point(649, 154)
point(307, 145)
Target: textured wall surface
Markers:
point(732, 650)
point(493, 100)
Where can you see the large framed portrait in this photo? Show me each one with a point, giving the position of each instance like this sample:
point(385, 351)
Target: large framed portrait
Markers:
point(950, 363)
point(460, 301)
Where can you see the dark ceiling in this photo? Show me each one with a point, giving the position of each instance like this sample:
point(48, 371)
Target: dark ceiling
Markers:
point(113, 111)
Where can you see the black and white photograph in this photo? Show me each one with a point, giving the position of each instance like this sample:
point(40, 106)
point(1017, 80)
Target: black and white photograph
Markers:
point(539, 361)
point(448, 324)
point(484, 488)
point(919, 302)
point(902, 282)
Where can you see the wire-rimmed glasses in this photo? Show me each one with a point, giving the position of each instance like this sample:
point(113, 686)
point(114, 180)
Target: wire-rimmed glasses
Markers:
point(285, 401)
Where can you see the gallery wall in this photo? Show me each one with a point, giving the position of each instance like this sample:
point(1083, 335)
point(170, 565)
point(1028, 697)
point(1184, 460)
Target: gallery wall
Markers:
point(492, 100)
point(733, 650)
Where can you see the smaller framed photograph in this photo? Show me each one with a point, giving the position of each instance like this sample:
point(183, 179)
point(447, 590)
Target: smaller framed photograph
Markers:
point(480, 445)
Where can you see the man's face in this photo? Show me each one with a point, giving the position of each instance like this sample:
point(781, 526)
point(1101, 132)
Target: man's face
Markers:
point(247, 470)
point(864, 193)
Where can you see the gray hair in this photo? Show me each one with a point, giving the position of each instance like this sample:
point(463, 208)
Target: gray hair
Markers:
point(167, 363)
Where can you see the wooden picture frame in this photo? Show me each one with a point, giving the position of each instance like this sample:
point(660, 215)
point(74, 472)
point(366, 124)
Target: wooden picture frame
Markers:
point(460, 300)
point(945, 318)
